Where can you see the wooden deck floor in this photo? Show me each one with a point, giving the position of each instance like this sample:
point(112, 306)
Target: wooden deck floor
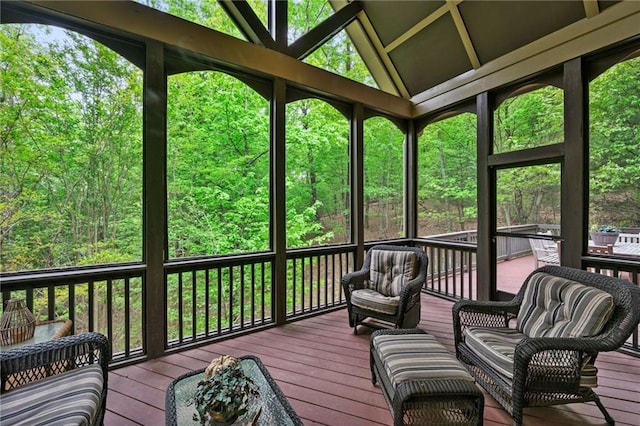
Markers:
point(323, 369)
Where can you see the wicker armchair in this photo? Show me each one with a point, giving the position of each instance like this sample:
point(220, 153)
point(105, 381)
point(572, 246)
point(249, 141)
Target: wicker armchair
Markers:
point(387, 287)
point(564, 318)
point(63, 379)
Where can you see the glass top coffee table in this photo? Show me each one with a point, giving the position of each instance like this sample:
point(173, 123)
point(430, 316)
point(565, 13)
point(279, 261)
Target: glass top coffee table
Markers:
point(271, 403)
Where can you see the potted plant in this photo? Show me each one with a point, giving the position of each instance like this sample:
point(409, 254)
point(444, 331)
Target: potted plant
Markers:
point(605, 235)
point(224, 394)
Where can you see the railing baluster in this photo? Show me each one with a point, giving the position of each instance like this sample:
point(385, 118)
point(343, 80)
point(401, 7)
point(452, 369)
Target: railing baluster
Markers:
point(207, 301)
point(253, 294)
point(219, 300)
point(51, 302)
point(231, 301)
point(110, 312)
point(127, 318)
point(180, 302)
point(194, 298)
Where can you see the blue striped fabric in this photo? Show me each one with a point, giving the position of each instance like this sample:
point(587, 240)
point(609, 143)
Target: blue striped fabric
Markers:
point(390, 269)
point(417, 357)
point(70, 398)
point(497, 347)
point(557, 307)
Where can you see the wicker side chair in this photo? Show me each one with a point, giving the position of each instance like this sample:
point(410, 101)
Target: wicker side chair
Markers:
point(386, 288)
point(564, 318)
point(63, 379)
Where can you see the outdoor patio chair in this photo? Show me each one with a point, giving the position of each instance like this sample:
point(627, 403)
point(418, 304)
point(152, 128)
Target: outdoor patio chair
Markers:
point(545, 252)
point(564, 318)
point(61, 381)
point(387, 288)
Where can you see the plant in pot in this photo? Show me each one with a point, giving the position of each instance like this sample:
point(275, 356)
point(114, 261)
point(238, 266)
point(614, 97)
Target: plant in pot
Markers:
point(224, 394)
point(604, 235)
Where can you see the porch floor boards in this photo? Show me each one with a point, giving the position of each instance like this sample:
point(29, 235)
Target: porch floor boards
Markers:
point(323, 369)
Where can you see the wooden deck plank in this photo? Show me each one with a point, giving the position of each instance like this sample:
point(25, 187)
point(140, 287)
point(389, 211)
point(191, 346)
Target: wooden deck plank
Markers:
point(323, 369)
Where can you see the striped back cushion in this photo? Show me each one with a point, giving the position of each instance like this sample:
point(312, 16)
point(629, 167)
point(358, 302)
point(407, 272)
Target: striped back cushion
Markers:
point(390, 269)
point(557, 307)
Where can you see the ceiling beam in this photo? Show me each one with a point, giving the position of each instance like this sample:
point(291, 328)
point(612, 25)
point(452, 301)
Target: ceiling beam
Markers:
point(248, 22)
point(591, 8)
point(144, 22)
point(464, 34)
point(324, 31)
point(441, 11)
point(383, 56)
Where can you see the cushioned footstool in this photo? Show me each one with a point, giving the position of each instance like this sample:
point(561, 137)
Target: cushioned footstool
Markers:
point(422, 383)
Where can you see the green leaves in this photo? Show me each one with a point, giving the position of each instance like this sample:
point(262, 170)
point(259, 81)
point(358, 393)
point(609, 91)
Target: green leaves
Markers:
point(227, 392)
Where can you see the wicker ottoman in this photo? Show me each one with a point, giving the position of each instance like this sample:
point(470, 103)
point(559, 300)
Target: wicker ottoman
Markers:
point(422, 383)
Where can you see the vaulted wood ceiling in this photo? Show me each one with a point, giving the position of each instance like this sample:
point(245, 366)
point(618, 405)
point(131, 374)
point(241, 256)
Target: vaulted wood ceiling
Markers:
point(413, 46)
point(426, 43)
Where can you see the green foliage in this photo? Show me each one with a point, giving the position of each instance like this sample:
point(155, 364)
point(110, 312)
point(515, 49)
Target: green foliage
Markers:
point(383, 179)
point(317, 173)
point(71, 149)
point(447, 175)
point(529, 194)
point(227, 393)
point(529, 120)
point(614, 133)
point(607, 228)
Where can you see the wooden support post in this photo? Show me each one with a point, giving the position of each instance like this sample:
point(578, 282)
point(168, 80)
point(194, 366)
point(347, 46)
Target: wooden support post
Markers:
point(154, 199)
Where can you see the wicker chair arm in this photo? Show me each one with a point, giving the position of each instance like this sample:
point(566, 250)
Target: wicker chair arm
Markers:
point(80, 349)
point(551, 361)
point(355, 280)
point(470, 313)
point(408, 292)
point(531, 346)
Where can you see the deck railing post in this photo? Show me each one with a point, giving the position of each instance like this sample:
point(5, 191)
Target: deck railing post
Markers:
point(154, 199)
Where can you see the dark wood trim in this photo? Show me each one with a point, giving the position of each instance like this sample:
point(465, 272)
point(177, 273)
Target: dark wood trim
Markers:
point(278, 199)
point(486, 252)
point(279, 23)
point(411, 179)
point(324, 31)
point(223, 49)
point(126, 45)
point(154, 197)
point(528, 157)
point(248, 22)
point(357, 182)
point(575, 170)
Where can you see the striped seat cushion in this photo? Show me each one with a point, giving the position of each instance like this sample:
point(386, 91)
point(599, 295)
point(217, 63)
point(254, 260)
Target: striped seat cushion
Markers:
point(557, 307)
point(391, 269)
point(417, 357)
point(497, 346)
point(372, 300)
point(70, 398)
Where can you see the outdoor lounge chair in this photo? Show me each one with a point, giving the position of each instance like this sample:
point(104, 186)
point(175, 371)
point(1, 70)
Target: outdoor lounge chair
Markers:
point(387, 287)
point(61, 381)
point(545, 252)
point(564, 318)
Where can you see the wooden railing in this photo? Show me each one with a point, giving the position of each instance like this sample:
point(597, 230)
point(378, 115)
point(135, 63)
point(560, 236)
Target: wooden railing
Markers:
point(104, 299)
point(451, 272)
point(212, 298)
point(313, 278)
point(621, 268)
